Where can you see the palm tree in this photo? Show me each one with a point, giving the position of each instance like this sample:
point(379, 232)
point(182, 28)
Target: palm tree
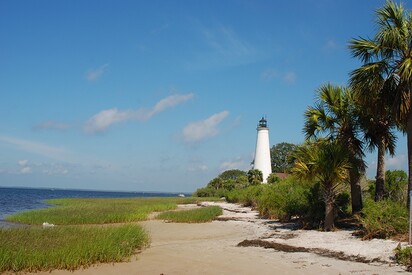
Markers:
point(326, 161)
point(374, 97)
point(389, 53)
point(334, 117)
point(254, 176)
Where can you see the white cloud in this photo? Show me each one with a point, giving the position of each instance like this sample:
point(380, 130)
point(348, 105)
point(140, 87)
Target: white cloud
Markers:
point(102, 120)
point(23, 162)
point(51, 125)
point(25, 170)
point(94, 74)
point(200, 130)
point(35, 147)
point(168, 102)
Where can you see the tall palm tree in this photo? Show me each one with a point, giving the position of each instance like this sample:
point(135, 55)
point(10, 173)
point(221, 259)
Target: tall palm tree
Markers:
point(389, 53)
point(326, 161)
point(374, 95)
point(334, 117)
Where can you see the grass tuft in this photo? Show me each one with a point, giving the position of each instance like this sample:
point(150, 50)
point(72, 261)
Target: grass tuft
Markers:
point(200, 215)
point(68, 247)
point(98, 211)
point(403, 256)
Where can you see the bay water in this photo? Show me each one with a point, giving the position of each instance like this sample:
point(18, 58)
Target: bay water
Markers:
point(13, 200)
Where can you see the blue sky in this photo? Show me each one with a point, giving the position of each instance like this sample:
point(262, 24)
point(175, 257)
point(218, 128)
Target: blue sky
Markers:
point(163, 95)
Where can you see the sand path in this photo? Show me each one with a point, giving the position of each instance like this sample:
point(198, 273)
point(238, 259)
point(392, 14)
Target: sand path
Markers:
point(211, 248)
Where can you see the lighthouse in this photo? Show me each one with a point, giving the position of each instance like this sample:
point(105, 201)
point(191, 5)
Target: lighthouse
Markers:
point(262, 160)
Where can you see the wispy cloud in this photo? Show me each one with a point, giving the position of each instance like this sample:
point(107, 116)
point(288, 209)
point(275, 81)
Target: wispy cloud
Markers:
point(271, 74)
point(203, 129)
point(104, 119)
point(36, 148)
point(52, 125)
point(330, 46)
point(397, 162)
point(94, 74)
point(226, 42)
point(159, 29)
point(223, 47)
point(238, 163)
point(23, 162)
point(198, 168)
point(25, 170)
point(51, 169)
point(289, 77)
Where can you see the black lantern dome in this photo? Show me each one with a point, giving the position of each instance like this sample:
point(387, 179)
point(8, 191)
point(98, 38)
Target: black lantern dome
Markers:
point(263, 123)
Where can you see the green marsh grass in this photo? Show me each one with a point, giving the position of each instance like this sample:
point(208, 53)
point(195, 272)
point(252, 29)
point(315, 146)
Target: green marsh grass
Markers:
point(199, 215)
point(98, 211)
point(68, 247)
point(79, 238)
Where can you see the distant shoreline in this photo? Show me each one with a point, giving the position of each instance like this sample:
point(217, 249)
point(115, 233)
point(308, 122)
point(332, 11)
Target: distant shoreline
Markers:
point(95, 190)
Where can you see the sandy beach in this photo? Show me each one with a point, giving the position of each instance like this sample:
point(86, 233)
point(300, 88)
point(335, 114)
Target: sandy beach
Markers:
point(212, 248)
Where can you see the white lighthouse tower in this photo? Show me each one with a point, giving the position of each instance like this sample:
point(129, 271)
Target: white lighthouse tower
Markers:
point(262, 160)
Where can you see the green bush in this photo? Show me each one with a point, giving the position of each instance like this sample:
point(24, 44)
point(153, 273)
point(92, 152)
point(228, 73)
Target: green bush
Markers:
point(250, 195)
point(383, 219)
point(235, 195)
point(283, 200)
point(210, 192)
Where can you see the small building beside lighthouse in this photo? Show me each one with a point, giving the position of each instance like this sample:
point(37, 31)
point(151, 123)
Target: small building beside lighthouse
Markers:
point(262, 159)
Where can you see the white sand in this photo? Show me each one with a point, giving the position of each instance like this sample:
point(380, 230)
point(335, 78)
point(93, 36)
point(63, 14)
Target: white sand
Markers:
point(211, 248)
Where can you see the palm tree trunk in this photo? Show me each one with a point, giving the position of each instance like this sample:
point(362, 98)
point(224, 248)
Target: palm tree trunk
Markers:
point(409, 137)
point(380, 171)
point(329, 210)
point(355, 191)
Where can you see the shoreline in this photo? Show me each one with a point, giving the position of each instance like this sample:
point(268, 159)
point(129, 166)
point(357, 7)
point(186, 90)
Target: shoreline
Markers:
point(212, 248)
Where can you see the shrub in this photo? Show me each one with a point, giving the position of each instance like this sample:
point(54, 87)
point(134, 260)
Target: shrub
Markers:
point(283, 200)
point(315, 212)
point(250, 195)
point(403, 256)
point(210, 192)
point(235, 195)
point(383, 219)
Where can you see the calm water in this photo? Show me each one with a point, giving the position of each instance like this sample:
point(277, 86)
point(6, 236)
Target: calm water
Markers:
point(13, 200)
